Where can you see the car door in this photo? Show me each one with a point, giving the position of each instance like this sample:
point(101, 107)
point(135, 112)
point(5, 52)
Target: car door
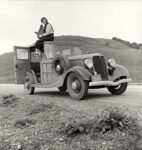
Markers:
point(21, 63)
point(46, 66)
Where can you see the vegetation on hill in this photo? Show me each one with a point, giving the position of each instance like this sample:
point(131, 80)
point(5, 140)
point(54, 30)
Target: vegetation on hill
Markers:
point(127, 43)
point(125, 55)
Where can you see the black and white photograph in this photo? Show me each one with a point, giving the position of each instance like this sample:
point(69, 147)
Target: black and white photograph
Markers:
point(71, 75)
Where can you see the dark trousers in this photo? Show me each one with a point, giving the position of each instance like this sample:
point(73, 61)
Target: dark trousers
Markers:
point(39, 43)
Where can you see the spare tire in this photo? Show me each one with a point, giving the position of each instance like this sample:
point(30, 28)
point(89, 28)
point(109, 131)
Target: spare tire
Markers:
point(60, 64)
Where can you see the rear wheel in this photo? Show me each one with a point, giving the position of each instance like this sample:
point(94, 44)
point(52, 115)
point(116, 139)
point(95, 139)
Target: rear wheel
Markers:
point(29, 80)
point(77, 87)
point(118, 90)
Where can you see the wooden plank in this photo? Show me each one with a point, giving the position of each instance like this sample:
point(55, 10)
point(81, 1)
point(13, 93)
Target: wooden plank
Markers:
point(44, 78)
point(44, 68)
point(49, 77)
point(48, 67)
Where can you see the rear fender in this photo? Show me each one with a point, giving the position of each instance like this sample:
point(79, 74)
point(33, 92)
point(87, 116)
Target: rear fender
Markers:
point(119, 71)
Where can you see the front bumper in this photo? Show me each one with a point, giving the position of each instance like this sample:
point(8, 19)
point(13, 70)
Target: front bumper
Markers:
point(109, 83)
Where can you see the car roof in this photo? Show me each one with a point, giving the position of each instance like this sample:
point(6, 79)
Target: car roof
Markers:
point(71, 43)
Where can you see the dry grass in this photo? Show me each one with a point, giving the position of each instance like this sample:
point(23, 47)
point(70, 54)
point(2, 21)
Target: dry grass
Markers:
point(113, 125)
point(113, 120)
point(24, 123)
point(40, 108)
point(39, 126)
point(5, 145)
point(8, 100)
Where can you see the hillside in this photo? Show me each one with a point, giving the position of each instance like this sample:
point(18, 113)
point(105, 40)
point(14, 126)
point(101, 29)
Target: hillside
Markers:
point(129, 44)
point(129, 57)
point(7, 68)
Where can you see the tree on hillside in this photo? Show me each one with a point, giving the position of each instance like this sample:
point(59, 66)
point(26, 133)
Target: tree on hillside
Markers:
point(127, 43)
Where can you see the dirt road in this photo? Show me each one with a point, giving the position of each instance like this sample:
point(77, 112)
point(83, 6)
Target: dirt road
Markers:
point(133, 95)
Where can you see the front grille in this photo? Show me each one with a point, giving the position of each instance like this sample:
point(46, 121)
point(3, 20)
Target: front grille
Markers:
point(100, 66)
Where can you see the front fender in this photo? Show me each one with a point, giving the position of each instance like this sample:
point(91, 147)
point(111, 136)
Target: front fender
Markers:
point(119, 71)
point(84, 73)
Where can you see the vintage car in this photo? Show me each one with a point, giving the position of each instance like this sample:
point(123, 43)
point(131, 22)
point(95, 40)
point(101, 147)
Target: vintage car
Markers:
point(68, 66)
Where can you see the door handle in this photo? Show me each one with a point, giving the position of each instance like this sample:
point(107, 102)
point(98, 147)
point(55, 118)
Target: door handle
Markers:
point(16, 66)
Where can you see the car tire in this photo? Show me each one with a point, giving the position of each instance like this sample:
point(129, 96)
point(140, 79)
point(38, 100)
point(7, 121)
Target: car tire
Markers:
point(118, 90)
point(76, 86)
point(29, 80)
point(63, 63)
point(62, 88)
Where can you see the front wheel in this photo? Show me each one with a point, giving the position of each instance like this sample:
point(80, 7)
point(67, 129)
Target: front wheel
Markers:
point(62, 88)
point(118, 90)
point(77, 87)
point(28, 84)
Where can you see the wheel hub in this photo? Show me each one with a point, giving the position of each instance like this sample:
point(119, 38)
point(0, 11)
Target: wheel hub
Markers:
point(76, 85)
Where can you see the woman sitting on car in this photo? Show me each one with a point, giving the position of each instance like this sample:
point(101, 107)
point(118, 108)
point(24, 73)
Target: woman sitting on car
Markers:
point(45, 33)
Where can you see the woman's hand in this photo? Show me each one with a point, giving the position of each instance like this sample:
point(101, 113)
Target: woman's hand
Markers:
point(40, 36)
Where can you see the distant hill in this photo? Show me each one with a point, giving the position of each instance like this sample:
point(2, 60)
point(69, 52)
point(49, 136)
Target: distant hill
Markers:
point(7, 68)
point(124, 55)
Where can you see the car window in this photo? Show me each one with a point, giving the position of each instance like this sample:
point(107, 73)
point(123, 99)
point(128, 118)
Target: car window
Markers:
point(22, 54)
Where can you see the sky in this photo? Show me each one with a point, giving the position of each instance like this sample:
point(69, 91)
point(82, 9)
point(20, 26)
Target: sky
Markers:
point(92, 18)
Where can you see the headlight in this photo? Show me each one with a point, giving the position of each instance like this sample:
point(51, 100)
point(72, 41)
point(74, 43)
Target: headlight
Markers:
point(111, 62)
point(88, 63)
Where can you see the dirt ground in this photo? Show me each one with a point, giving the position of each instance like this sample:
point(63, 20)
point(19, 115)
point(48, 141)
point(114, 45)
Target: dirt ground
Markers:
point(41, 121)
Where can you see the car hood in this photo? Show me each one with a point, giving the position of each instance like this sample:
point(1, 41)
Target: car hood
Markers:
point(84, 56)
